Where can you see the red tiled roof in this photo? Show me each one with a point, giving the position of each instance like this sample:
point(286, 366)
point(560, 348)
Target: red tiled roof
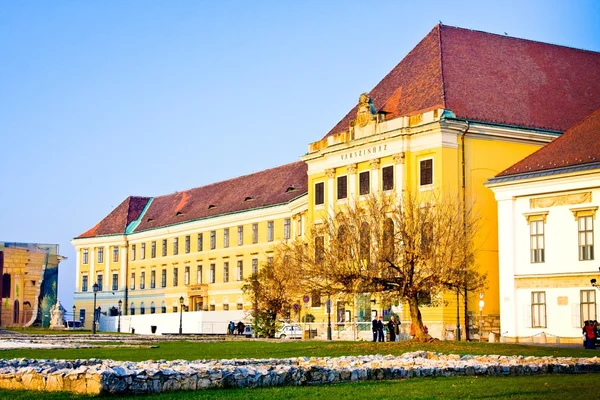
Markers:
point(577, 146)
point(492, 78)
point(116, 222)
point(261, 189)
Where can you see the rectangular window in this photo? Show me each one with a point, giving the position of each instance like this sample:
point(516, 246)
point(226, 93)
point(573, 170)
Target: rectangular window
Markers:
point(175, 246)
point(133, 252)
point(588, 306)
point(163, 308)
point(254, 265)
point(132, 309)
point(100, 255)
point(319, 249)
point(153, 249)
point(270, 231)
point(187, 276)
point(163, 278)
point(342, 187)
point(143, 251)
point(225, 307)
point(82, 315)
point(269, 260)
point(240, 235)
point(299, 226)
point(115, 281)
point(85, 256)
point(132, 281)
point(240, 306)
point(286, 228)
point(240, 270)
point(99, 281)
point(164, 247)
point(536, 240)
point(538, 309)
point(426, 172)
point(143, 280)
point(199, 275)
point(200, 244)
point(319, 193)
point(212, 273)
point(115, 253)
point(586, 237)
point(226, 272)
point(226, 237)
point(387, 177)
point(152, 279)
point(187, 244)
point(254, 233)
point(213, 240)
point(364, 183)
point(212, 307)
point(84, 283)
point(175, 276)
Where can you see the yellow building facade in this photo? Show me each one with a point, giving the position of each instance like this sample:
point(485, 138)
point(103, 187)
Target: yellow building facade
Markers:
point(459, 108)
point(203, 260)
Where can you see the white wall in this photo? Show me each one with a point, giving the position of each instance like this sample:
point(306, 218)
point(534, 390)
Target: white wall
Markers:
point(192, 322)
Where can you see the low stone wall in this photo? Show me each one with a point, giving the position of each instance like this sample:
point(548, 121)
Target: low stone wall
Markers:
point(107, 376)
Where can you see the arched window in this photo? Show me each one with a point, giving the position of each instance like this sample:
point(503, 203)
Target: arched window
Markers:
point(388, 239)
point(365, 244)
point(152, 308)
point(16, 312)
point(132, 308)
point(163, 307)
point(142, 308)
point(6, 286)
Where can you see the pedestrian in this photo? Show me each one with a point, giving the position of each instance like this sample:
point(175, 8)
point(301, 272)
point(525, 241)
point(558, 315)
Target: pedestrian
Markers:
point(398, 323)
point(590, 334)
point(374, 328)
point(231, 327)
point(240, 327)
point(392, 327)
point(380, 329)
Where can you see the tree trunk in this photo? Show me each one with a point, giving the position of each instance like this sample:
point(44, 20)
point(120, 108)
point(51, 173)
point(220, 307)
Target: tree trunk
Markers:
point(415, 316)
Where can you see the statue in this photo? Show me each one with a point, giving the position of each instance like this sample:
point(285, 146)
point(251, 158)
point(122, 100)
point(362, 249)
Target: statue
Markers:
point(57, 316)
point(365, 111)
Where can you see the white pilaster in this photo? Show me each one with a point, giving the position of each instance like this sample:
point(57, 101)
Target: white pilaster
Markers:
point(509, 315)
point(106, 279)
point(352, 181)
point(399, 178)
point(123, 273)
point(330, 192)
point(374, 164)
point(78, 270)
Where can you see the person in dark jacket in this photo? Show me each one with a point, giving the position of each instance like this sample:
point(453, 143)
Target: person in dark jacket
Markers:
point(380, 329)
point(374, 324)
point(392, 328)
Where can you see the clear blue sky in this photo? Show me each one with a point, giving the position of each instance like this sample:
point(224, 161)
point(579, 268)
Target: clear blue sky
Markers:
point(100, 100)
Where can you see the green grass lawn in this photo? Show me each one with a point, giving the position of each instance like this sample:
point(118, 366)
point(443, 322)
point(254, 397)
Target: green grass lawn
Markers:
point(547, 387)
point(563, 387)
point(191, 350)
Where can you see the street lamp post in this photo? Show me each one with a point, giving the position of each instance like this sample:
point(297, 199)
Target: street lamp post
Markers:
point(328, 317)
point(74, 311)
point(119, 323)
point(481, 304)
point(95, 287)
point(181, 315)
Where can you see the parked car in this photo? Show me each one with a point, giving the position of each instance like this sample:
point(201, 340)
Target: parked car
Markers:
point(289, 331)
point(248, 331)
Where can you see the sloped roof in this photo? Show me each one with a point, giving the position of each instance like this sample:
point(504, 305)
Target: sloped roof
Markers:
point(262, 189)
point(116, 222)
point(492, 78)
point(578, 146)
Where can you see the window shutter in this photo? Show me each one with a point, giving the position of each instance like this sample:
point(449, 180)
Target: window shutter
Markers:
point(575, 315)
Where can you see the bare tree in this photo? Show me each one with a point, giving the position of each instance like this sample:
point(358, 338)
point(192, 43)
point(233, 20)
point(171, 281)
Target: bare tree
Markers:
point(409, 247)
point(272, 289)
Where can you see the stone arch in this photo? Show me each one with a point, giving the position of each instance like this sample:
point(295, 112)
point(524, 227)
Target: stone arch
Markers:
point(16, 312)
point(6, 286)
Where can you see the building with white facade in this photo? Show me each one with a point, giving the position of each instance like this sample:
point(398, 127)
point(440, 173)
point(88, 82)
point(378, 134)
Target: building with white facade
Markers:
point(547, 208)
